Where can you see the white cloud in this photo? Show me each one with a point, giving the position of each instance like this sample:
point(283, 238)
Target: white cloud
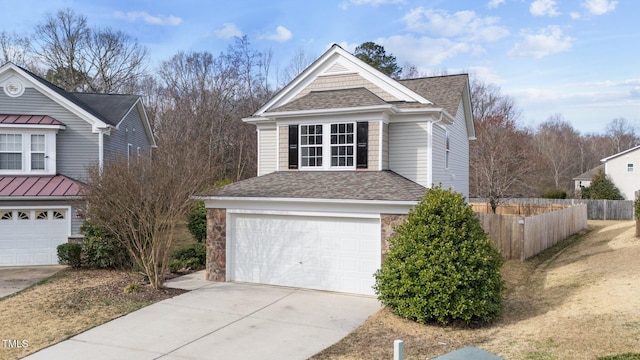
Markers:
point(575, 15)
point(228, 31)
point(599, 7)
point(495, 3)
point(149, 19)
point(547, 41)
point(544, 7)
point(424, 51)
point(282, 34)
point(465, 24)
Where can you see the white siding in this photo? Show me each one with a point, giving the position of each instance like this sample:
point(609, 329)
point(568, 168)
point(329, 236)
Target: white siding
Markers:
point(408, 143)
point(267, 151)
point(459, 156)
point(627, 182)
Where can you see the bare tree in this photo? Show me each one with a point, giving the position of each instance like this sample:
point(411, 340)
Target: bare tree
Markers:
point(499, 158)
point(557, 144)
point(79, 58)
point(142, 201)
point(16, 49)
point(297, 64)
point(622, 135)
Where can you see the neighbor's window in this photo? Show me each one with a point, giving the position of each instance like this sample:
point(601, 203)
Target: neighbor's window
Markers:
point(342, 144)
point(630, 167)
point(10, 152)
point(446, 149)
point(311, 145)
point(37, 152)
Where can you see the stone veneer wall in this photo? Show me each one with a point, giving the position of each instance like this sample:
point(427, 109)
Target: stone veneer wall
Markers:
point(388, 223)
point(217, 244)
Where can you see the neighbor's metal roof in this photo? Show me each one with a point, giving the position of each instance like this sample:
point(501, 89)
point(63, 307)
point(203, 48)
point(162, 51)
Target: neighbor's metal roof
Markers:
point(38, 186)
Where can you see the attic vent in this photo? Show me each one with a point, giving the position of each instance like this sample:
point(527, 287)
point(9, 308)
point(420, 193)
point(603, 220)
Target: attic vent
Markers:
point(13, 87)
point(336, 68)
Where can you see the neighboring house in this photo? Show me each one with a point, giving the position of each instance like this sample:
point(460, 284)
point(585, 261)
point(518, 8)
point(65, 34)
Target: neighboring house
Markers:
point(48, 139)
point(584, 180)
point(623, 169)
point(344, 153)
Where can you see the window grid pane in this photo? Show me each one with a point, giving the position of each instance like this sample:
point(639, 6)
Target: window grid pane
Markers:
point(10, 152)
point(342, 144)
point(311, 145)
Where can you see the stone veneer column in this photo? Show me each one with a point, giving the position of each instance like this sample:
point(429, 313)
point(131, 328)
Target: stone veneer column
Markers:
point(217, 244)
point(388, 223)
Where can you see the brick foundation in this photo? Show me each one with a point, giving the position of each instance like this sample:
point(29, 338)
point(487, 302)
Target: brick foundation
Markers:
point(217, 244)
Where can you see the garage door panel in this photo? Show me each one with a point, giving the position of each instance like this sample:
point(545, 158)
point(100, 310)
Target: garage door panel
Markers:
point(325, 253)
point(26, 239)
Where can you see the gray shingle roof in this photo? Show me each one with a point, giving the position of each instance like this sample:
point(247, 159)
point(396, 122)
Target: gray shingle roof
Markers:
point(444, 91)
point(105, 107)
point(333, 99)
point(352, 185)
point(588, 175)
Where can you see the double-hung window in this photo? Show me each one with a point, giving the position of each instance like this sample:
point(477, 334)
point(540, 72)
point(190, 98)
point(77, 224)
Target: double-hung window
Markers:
point(37, 152)
point(311, 145)
point(342, 145)
point(27, 152)
point(10, 151)
point(328, 146)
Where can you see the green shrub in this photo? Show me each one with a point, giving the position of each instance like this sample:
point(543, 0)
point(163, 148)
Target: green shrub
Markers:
point(102, 249)
point(441, 265)
point(69, 254)
point(197, 221)
point(637, 207)
point(188, 257)
point(555, 194)
point(601, 187)
point(627, 356)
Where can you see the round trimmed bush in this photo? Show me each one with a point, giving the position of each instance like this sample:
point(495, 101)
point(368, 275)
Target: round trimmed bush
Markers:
point(441, 266)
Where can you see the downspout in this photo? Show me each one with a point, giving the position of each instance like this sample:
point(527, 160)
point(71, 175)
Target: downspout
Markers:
point(100, 150)
point(430, 152)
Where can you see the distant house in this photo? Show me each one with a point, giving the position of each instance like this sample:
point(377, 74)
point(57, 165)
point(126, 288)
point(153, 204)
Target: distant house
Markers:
point(344, 153)
point(584, 180)
point(48, 139)
point(623, 169)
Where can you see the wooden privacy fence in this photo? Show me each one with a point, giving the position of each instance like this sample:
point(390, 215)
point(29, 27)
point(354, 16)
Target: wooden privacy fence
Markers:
point(520, 237)
point(596, 209)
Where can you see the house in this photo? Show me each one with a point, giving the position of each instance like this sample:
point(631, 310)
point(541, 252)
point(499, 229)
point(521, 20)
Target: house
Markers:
point(584, 180)
point(344, 153)
point(623, 169)
point(48, 139)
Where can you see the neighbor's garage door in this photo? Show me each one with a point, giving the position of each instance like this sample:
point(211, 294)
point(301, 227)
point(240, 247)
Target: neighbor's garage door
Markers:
point(30, 237)
point(336, 254)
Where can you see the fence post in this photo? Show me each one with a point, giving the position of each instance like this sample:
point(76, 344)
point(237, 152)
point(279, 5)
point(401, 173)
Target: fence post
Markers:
point(398, 350)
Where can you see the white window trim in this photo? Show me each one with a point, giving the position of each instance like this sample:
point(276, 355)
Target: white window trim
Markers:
point(326, 147)
point(49, 152)
point(631, 167)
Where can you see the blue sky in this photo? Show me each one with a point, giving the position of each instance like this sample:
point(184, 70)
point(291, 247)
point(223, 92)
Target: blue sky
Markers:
point(578, 58)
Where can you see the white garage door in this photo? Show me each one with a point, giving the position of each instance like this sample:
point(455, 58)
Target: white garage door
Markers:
point(336, 254)
point(31, 236)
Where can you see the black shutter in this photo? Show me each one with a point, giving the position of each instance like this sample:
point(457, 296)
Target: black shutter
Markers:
point(293, 146)
point(362, 151)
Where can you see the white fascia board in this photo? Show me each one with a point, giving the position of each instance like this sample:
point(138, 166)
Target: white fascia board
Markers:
point(96, 124)
point(38, 198)
point(355, 65)
point(31, 127)
point(322, 112)
point(289, 205)
point(620, 154)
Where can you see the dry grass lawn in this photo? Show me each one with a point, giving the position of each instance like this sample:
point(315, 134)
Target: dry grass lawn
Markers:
point(579, 300)
point(69, 303)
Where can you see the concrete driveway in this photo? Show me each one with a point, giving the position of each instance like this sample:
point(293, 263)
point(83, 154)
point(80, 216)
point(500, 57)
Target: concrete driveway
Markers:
point(223, 321)
point(14, 279)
